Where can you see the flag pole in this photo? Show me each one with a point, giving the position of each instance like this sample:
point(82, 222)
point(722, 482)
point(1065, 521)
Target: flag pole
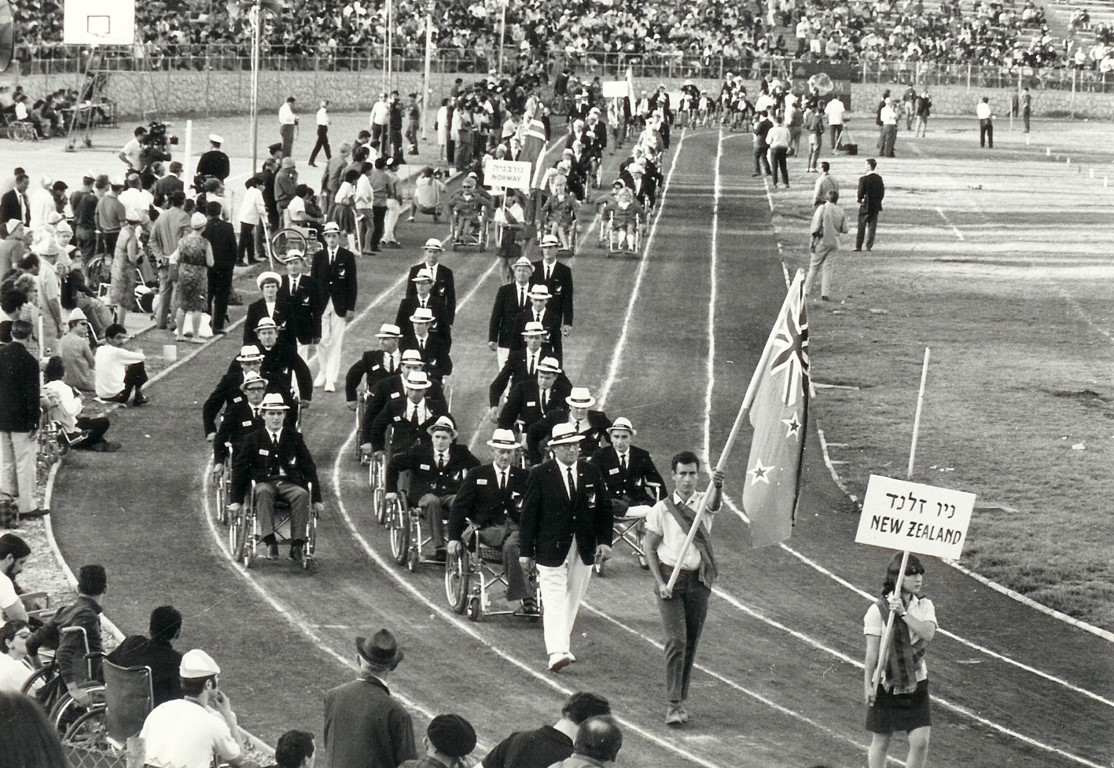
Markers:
point(884, 645)
point(744, 409)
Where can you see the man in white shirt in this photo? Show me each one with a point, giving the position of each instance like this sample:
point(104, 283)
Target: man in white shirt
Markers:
point(135, 197)
point(986, 123)
point(828, 222)
point(288, 123)
point(836, 115)
point(119, 371)
point(13, 556)
point(41, 202)
point(130, 152)
point(378, 120)
point(684, 606)
point(888, 116)
point(253, 210)
point(778, 138)
point(323, 121)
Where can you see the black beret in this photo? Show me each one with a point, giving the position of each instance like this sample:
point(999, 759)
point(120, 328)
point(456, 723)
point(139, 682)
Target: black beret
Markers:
point(452, 735)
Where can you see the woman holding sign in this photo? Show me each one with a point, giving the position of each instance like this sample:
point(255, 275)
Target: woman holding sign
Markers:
point(898, 701)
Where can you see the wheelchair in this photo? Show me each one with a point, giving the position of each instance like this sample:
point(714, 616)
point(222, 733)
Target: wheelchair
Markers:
point(22, 130)
point(629, 531)
point(244, 533)
point(361, 411)
point(571, 233)
point(128, 699)
point(53, 444)
point(305, 239)
point(633, 239)
point(476, 234)
point(222, 489)
point(377, 480)
point(474, 570)
point(61, 707)
point(406, 531)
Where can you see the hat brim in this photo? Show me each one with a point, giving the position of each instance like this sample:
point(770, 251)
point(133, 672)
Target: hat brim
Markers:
point(382, 335)
point(283, 407)
point(580, 403)
point(409, 385)
point(394, 661)
point(622, 428)
point(542, 332)
point(566, 440)
point(416, 319)
point(503, 446)
point(443, 428)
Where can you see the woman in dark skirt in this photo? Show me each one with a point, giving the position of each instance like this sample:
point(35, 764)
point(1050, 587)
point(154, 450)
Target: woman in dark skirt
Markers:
point(899, 702)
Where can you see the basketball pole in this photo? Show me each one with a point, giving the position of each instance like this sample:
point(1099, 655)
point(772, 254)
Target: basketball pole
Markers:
point(255, 16)
point(428, 60)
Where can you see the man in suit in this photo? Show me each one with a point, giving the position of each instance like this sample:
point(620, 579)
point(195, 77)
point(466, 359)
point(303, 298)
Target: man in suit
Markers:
point(334, 271)
point(242, 417)
point(14, 203)
point(374, 365)
point(510, 299)
point(20, 403)
point(269, 307)
point(409, 418)
point(433, 349)
point(213, 163)
point(437, 468)
point(424, 299)
point(540, 313)
point(490, 497)
point(633, 481)
point(393, 387)
point(222, 238)
point(566, 524)
point(363, 725)
point(444, 286)
point(521, 366)
point(286, 372)
point(299, 292)
point(557, 277)
point(277, 459)
point(531, 401)
point(871, 191)
point(229, 390)
point(576, 411)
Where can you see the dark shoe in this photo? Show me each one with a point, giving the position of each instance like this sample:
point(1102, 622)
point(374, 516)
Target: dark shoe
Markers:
point(297, 551)
point(529, 607)
point(439, 555)
point(110, 447)
point(140, 400)
point(858, 250)
point(219, 331)
point(824, 298)
point(312, 165)
point(272, 551)
point(674, 715)
point(558, 661)
point(40, 512)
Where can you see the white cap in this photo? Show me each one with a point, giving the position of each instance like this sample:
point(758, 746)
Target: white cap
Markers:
point(422, 315)
point(216, 139)
point(265, 276)
point(196, 664)
point(540, 291)
point(273, 402)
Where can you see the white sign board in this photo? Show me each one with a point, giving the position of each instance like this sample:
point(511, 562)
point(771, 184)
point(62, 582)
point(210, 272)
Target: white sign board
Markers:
point(615, 89)
point(98, 22)
point(898, 514)
point(501, 174)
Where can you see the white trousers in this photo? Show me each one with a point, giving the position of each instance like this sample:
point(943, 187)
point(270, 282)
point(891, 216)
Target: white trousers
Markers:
point(394, 211)
point(562, 590)
point(18, 468)
point(329, 350)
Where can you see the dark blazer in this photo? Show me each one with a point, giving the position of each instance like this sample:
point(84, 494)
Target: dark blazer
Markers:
point(634, 483)
point(257, 310)
point(551, 521)
point(593, 430)
point(438, 362)
point(514, 372)
point(389, 390)
point(160, 656)
point(213, 163)
point(226, 394)
point(525, 404)
point(260, 461)
point(11, 209)
point(444, 288)
point(237, 424)
point(364, 726)
point(506, 308)
point(871, 191)
point(19, 389)
point(337, 281)
point(303, 309)
point(370, 368)
point(222, 237)
point(551, 321)
point(425, 477)
point(404, 435)
point(481, 501)
point(441, 323)
point(560, 285)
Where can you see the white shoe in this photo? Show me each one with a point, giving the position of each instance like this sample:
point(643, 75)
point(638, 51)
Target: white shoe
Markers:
point(558, 661)
point(319, 381)
point(330, 387)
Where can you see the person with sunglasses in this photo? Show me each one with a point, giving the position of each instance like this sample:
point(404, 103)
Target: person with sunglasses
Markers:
point(15, 663)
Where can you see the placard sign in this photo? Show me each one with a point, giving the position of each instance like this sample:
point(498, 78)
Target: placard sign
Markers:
point(500, 174)
point(615, 89)
point(898, 514)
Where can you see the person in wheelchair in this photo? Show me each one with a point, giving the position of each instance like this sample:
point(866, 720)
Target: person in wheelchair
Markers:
point(532, 400)
point(304, 212)
point(433, 348)
point(393, 388)
point(591, 426)
point(632, 480)
point(625, 215)
point(491, 498)
point(441, 319)
point(374, 365)
point(284, 369)
point(521, 366)
point(408, 417)
point(155, 652)
point(229, 389)
point(559, 212)
point(277, 459)
point(468, 207)
point(437, 468)
point(241, 418)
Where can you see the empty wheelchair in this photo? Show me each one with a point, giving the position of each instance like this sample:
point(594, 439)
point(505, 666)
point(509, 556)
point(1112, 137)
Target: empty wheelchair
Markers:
point(245, 533)
point(472, 571)
point(128, 699)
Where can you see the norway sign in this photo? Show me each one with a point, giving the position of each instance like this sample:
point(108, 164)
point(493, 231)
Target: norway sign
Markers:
point(501, 174)
point(898, 514)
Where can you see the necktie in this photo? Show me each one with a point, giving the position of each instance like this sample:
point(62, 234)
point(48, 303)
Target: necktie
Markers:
point(414, 416)
point(293, 286)
point(502, 480)
point(623, 462)
point(521, 298)
point(537, 317)
point(390, 363)
point(332, 257)
point(548, 273)
point(530, 365)
point(421, 344)
point(578, 426)
point(274, 439)
point(440, 461)
point(545, 399)
point(572, 482)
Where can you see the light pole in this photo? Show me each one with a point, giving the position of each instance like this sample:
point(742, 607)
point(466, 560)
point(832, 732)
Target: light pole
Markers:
point(502, 33)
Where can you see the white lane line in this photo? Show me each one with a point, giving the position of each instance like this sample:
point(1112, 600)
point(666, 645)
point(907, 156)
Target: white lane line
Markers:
point(713, 289)
point(632, 300)
point(948, 221)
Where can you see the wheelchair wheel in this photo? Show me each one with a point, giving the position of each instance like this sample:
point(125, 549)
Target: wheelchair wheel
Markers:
point(65, 713)
point(379, 504)
point(308, 559)
point(475, 609)
point(398, 527)
point(247, 538)
point(236, 536)
point(360, 406)
point(89, 732)
point(285, 239)
point(220, 500)
point(99, 271)
point(37, 679)
point(458, 578)
point(413, 559)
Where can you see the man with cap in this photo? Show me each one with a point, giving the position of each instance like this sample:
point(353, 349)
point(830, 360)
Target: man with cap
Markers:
point(242, 417)
point(229, 392)
point(423, 297)
point(557, 277)
point(198, 729)
point(77, 355)
point(50, 292)
point(549, 744)
point(364, 726)
point(433, 349)
point(539, 313)
point(303, 303)
point(284, 369)
point(334, 271)
point(409, 417)
point(520, 366)
point(510, 300)
point(684, 606)
point(437, 467)
point(288, 124)
point(393, 388)
point(490, 497)
point(277, 459)
point(14, 246)
point(213, 163)
point(444, 284)
point(633, 481)
point(268, 306)
point(591, 425)
point(532, 400)
point(374, 365)
point(566, 525)
point(322, 142)
point(449, 739)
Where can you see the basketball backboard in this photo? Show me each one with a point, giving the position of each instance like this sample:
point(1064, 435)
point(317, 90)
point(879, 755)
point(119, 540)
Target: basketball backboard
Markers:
point(98, 22)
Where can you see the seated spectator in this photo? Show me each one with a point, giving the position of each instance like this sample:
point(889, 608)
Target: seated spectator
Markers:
point(156, 652)
point(295, 749)
point(120, 371)
point(77, 355)
point(449, 739)
point(27, 737)
point(598, 741)
point(14, 552)
point(549, 744)
point(83, 432)
point(15, 664)
point(190, 732)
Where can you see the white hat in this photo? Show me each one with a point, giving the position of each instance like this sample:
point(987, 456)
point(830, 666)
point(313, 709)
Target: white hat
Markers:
point(76, 314)
point(422, 274)
point(249, 353)
point(54, 217)
point(273, 402)
point(331, 226)
point(550, 240)
point(417, 380)
point(549, 365)
point(265, 276)
point(266, 323)
point(422, 315)
point(564, 434)
point(433, 244)
point(294, 252)
point(534, 329)
point(636, 168)
point(251, 377)
point(622, 423)
point(523, 262)
point(11, 225)
point(540, 291)
point(215, 138)
point(503, 438)
point(119, 180)
point(389, 331)
point(445, 421)
point(411, 357)
point(45, 247)
point(196, 664)
point(198, 220)
point(580, 397)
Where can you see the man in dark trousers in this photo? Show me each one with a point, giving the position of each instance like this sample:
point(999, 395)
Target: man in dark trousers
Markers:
point(444, 285)
point(302, 297)
point(566, 525)
point(532, 400)
point(510, 299)
point(409, 418)
point(393, 387)
point(632, 479)
point(490, 497)
point(20, 404)
point(871, 191)
point(520, 366)
point(539, 313)
point(364, 726)
point(334, 271)
point(557, 277)
point(424, 299)
point(243, 416)
point(374, 365)
point(549, 744)
point(222, 237)
point(434, 350)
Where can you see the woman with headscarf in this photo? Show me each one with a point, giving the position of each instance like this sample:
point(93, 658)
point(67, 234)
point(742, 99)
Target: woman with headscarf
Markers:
point(195, 259)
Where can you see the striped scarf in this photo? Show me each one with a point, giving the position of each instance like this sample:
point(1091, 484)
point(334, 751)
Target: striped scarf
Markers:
point(901, 665)
point(685, 517)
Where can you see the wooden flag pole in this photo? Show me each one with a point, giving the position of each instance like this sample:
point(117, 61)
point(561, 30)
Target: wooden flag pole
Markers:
point(744, 409)
point(884, 647)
